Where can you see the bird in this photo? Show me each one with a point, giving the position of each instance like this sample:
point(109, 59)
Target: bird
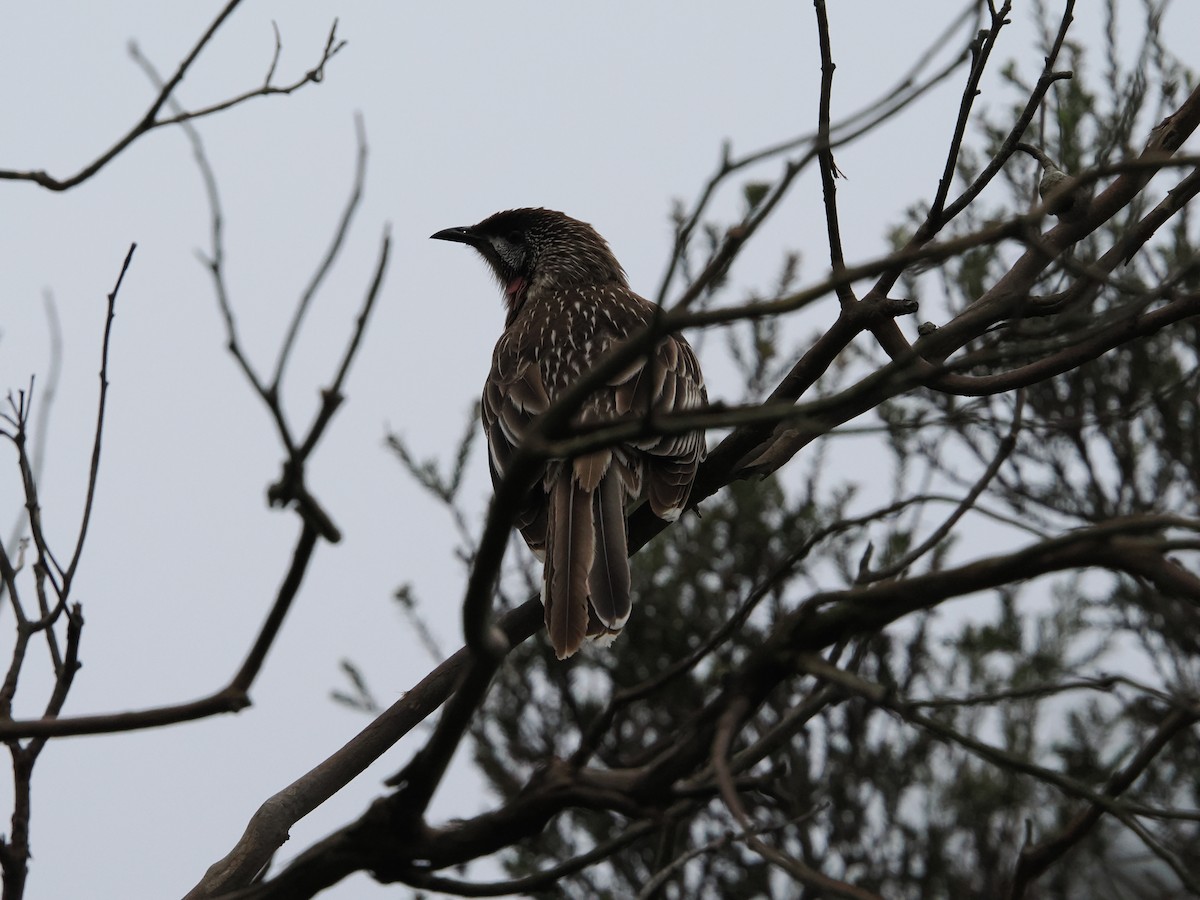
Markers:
point(567, 302)
point(1065, 197)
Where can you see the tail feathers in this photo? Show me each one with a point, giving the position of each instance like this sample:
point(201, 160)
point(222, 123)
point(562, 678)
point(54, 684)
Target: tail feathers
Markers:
point(571, 538)
point(609, 579)
point(586, 584)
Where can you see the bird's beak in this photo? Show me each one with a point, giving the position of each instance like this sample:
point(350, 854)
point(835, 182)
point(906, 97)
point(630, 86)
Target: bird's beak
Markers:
point(463, 235)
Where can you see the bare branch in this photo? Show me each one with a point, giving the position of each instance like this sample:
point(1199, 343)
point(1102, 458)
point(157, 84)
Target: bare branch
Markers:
point(828, 168)
point(907, 89)
point(1005, 447)
point(94, 469)
point(49, 392)
point(331, 254)
point(542, 880)
point(150, 120)
point(1036, 859)
point(231, 698)
point(981, 50)
point(269, 826)
point(803, 873)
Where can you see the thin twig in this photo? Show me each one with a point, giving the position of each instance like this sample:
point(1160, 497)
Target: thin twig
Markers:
point(804, 874)
point(904, 92)
point(150, 120)
point(590, 739)
point(49, 391)
point(548, 878)
point(94, 469)
point(231, 698)
point(331, 254)
point(828, 168)
point(1003, 450)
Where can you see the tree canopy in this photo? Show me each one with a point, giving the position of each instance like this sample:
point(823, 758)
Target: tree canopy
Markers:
point(931, 629)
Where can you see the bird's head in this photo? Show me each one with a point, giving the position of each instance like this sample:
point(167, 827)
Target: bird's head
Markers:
point(537, 249)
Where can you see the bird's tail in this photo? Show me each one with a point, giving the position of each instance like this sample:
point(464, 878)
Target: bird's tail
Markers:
point(587, 559)
point(609, 578)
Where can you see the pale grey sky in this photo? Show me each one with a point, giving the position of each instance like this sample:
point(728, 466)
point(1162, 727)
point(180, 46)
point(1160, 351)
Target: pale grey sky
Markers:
point(607, 111)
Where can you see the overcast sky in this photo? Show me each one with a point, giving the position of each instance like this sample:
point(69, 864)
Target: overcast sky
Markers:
point(607, 111)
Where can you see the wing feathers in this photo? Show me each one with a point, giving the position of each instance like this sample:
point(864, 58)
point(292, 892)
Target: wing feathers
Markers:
point(672, 460)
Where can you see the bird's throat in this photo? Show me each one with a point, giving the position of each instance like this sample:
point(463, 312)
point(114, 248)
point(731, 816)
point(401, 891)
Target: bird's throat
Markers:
point(514, 294)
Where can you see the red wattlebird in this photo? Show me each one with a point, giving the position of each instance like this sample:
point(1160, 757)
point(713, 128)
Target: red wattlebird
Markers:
point(568, 302)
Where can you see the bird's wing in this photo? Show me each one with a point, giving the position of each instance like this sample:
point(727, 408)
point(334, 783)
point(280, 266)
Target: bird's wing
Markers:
point(667, 381)
point(512, 396)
